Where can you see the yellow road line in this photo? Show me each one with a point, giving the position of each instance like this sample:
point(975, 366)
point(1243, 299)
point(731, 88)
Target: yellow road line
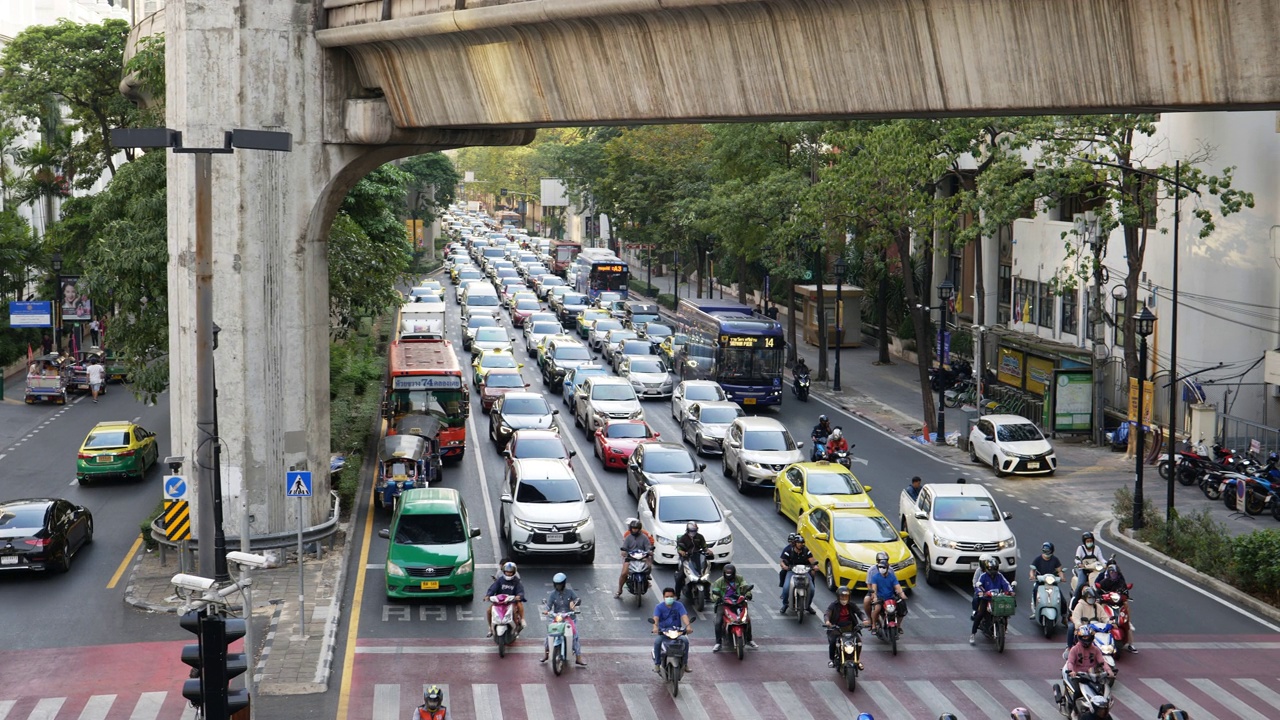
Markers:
point(124, 564)
point(353, 629)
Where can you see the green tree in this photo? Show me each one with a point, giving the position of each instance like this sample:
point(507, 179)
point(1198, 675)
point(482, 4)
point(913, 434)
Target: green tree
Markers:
point(19, 250)
point(369, 249)
point(426, 171)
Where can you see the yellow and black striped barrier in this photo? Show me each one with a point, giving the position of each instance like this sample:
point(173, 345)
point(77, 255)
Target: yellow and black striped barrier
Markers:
point(177, 520)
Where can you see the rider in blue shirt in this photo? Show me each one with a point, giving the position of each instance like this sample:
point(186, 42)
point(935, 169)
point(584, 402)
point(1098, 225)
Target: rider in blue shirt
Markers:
point(882, 584)
point(989, 581)
point(668, 615)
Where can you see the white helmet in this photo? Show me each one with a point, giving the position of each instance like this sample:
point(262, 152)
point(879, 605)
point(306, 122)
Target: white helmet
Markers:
point(836, 434)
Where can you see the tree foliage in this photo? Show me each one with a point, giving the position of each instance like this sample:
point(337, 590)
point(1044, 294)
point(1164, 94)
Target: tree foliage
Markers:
point(425, 171)
point(369, 249)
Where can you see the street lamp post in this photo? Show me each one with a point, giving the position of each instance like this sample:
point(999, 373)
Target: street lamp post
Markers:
point(946, 291)
point(841, 266)
point(57, 303)
point(1144, 324)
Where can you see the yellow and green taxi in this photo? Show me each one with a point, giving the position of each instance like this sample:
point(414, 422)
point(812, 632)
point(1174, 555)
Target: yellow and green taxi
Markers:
point(844, 542)
point(670, 346)
point(491, 359)
point(804, 485)
point(544, 342)
point(587, 318)
point(116, 448)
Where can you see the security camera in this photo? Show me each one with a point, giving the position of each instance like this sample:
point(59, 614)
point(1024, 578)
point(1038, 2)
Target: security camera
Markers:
point(244, 559)
point(175, 463)
point(192, 582)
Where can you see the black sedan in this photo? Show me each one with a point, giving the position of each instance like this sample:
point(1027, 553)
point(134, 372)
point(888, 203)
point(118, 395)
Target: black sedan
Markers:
point(657, 463)
point(42, 534)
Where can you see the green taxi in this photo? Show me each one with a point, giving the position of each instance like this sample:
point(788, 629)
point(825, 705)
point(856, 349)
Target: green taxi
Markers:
point(116, 448)
point(430, 553)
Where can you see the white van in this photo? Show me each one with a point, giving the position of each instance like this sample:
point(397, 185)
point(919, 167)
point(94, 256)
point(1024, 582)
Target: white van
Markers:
point(421, 321)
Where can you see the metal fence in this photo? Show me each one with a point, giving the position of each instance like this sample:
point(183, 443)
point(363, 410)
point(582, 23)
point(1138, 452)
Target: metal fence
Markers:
point(1019, 402)
point(1115, 395)
point(1237, 433)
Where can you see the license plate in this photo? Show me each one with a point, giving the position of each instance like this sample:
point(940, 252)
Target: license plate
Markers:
point(555, 537)
point(104, 458)
point(1033, 466)
point(9, 560)
point(748, 401)
point(430, 585)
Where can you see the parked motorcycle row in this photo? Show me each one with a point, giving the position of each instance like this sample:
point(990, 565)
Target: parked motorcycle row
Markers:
point(1240, 480)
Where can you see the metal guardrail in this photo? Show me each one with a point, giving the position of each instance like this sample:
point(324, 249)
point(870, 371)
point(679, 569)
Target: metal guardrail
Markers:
point(323, 531)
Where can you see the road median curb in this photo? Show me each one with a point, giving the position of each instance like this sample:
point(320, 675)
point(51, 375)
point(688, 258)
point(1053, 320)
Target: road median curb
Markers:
point(1112, 533)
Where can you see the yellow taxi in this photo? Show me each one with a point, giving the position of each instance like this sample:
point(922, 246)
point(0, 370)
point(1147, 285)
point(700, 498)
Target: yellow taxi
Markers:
point(845, 540)
point(116, 448)
point(588, 318)
point(804, 485)
point(492, 359)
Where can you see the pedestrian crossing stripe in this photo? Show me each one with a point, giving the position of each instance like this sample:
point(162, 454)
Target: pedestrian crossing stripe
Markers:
point(177, 520)
point(160, 705)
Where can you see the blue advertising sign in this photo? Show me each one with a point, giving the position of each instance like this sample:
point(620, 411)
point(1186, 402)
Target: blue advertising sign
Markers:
point(35, 314)
point(942, 347)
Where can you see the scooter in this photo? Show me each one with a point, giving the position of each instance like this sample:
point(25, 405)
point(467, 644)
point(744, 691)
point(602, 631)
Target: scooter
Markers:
point(1074, 696)
point(697, 579)
point(735, 622)
point(560, 631)
point(801, 387)
point(801, 591)
point(1116, 605)
point(1105, 640)
point(671, 660)
point(888, 626)
point(841, 457)
point(819, 448)
point(1091, 566)
point(505, 627)
point(995, 622)
point(638, 575)
point(1048, 603)
point(849, 655)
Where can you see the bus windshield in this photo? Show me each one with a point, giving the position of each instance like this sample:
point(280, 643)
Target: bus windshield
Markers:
point(751, 365)
point(612, 278)
point(445, 405)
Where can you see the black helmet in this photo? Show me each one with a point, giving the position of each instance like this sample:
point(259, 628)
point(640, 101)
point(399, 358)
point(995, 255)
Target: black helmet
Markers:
point(947, 716)
point(634, 524)
point(730, 570)
point(822, 419)
point(558, 582)
point(433, 697)
point(882, 559)
point(1047, 547)
point(1087, 536)
point(844, 591)
point(990, 564)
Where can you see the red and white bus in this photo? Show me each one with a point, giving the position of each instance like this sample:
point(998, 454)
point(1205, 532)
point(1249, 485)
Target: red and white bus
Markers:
point(563, 253)
point(425, 378)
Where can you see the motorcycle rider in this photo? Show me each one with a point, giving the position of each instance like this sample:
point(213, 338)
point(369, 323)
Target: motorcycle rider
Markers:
point(836, 443)
point(508, 584)
point(432, 707)
point(800, 368)
point(1085, 612)
point(1084, 658)
point(668, 615)
point(990, 581)
point(1111, 580)
point(795, 553)
point(1046, 563)
point(563, 600)
point(1019, 713)
point(819, 435)
point(1088, 550)
point(690, 542)
point(841, 616)
point(1169, 711)
point(731, 583)
point(634, 540)
point(882, 584)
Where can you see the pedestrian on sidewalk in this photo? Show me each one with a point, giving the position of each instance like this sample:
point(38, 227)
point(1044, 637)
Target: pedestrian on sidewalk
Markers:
point(94, 328)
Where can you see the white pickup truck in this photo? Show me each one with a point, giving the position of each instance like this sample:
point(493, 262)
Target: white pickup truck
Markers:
point(951, 526)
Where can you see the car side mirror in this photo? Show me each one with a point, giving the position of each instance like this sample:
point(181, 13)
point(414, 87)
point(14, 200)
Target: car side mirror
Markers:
point(922, 515)
point(475, 532)
point(867, 488)
point(989, 437)
point(728, 514)
point(702, 466)
point(599, 432)
point(823, 537)
point(657, 435)
point(904, 535)
point(591, 497)
point(384, 533)
point(796, 490)
point(632, 463)
point(799, 445)
point(519, 366)
point(1007, 516)
point(506, 498)
point(554, 411)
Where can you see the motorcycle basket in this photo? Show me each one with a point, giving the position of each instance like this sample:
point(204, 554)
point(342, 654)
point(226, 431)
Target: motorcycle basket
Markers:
point(1003, 605)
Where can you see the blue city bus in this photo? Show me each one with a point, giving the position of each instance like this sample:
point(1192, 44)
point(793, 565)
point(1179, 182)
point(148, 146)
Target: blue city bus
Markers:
point(742, 352)
point(599, 271)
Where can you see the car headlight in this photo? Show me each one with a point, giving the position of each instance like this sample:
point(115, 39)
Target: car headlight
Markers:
point(944, 542)
point(851, 563)
point(466, 567)
point(394, 570)
point(726, 540)
point(748, 463)
point(636, 384)
point(582, 523)
point(662, 540)
point(521, 524)
point(1006, 543)
point(636, 414)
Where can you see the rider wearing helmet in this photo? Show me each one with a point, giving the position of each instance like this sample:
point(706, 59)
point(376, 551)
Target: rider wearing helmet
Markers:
point(1085, 612)
point(991, 581)
point(819, 435)
point(1084, 657)
point(1046, 563)
point(1088, 550)
point(795, 553)
point(948, 716)
point(432, 707)
point(730, 584)
point(562, 600)
point(635, 539)
point(865, 716)
point(836, 443)
point(507, 583)
point(842, 615)
point(1019, 713)
point(1111, 580)
point(882, 584)
point(690, 542)
point(1169, 711)
point(1099, 708)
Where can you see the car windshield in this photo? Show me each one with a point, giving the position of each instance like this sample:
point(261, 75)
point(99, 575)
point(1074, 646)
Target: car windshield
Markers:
point(539, 448)
point(703, 392)
point(546, 328)
point(634, 347)
point(525, 406)
point(1018, 432)
point(688, 508)
point(617, 336)
point(626, 430)
point(641, 318)
point(575, 299)
point(964, 509)
point(482, 321)
point(613, 392)
point(504, 380)
point(498, 361)
point(668, 461)
point(491, 334)
point(764, 440)
point(572, 352)
point(482, 300)
point(862, 529)
point(559, 490)
point(22, 517)
point(604, 326)
point(648, 366)
point(656, 330)
point(829, 483)
point(719, 415)
point(527, 305)
point(430, 530)
point(552, 282)
point(108, 439)
point(469, 274)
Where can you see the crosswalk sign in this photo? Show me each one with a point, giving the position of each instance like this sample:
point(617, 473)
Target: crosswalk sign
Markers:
point(297, 483)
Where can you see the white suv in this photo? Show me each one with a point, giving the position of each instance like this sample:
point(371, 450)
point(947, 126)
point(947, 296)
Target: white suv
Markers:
point(756, 449)
point(603, 398)
point(544, 510)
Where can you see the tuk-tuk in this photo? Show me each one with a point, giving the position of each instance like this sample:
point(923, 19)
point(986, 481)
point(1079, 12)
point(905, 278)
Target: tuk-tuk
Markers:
point(427, 428)
point(46, 379)
point(402, 466)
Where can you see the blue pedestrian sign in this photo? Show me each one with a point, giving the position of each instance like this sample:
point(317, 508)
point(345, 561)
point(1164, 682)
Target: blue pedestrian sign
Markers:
point(175, 487)
point(297, 483)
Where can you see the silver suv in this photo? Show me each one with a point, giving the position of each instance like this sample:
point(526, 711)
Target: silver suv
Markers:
point(603, 398)
point(756, 449)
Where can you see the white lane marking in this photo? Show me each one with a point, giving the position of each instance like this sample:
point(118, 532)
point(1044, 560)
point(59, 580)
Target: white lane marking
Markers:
point(637, 700)
point(786, 699)
point(980, 697)
point(487, 703)
point(1254, 686)
point(1136, 706)
point(1073, 527)
point(1033, 507)
point(742, 530)
point(933, 699)
point(188, 712)
point(1171, 694)
point(148, 707)
point(1048, 514)
point(537, 704)
point(137, 418)
point(5, 707)
point(689, 705)
point(1033, 699)
point(884, 697)
point(1097, 531)
point(736, 700)
point(386, 702)
point(835, 697)
point(46, 709)
point(484, 491)
point(875, 428)
point(98, 707)
point(587, 701)
point(375, 566)
point(2, 455)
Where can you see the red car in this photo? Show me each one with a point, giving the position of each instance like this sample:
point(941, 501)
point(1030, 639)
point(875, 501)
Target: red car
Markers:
point(617, 439)
point(534, 443)
point(522, 311)
point(499, 382)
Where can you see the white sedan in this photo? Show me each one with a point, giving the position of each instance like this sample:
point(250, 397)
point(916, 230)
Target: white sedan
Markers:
point(1011, 444)
point(665, 510)
point(689, 392)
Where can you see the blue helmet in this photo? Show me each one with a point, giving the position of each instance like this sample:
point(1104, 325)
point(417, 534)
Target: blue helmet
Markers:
point(866, 716)
point(559, 581)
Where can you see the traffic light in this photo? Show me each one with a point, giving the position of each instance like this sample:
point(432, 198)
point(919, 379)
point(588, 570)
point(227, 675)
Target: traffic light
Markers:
point(193, 689)
point(213, 667)
point(236, 664)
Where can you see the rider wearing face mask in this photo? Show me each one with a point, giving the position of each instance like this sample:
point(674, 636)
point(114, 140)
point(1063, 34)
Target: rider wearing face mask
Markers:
point(1088, 550)
point(731, 583)
point(841, 616)
point(636, 539)
point(508, 583)
point(1046, 563)
point(1085, 612)
point(1111, 580)
point(690, 542)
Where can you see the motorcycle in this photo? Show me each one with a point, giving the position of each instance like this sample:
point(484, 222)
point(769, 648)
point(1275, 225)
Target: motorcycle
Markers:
point(1048, 603)
point(1105, 640)
point(848, 656)
point(735, 622)
point(819, 448)
point(995, 622)
point(560, 631)
point(638, 574)
point(1091, 566)
point(801, 591)
point(697, 579)
point(888, 626)
point(1074, 696)
point(672, 659)
point(801, 387)
point(505, 628)
point(1257, 493)
point(1120, 620)
point(841, 457)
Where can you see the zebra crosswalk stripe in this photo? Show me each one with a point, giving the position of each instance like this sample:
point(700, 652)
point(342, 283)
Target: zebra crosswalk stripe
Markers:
point(933, 700)
point(834, 697)
point(740, 706)
point(487, 703)
point(1183, 702)
point(1227, 699)
point(637, 701)
point(587, 701)
point(688, 703)
point(148, 707)
point(5, 707)
point(980, 697)
point(884, 698)
point(386, 701)
point(1032, 699)
point(46, 709)
point(786, 699)
point(97, 707)
point(1130, 700)
point(1254, 686)
point(537, 703)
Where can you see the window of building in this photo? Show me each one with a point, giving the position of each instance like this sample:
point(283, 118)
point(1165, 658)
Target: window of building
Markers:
point(1004, 285)
point(1045, 305)
point(1089, 198)
point(1024, 301)
point(1071, 311)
